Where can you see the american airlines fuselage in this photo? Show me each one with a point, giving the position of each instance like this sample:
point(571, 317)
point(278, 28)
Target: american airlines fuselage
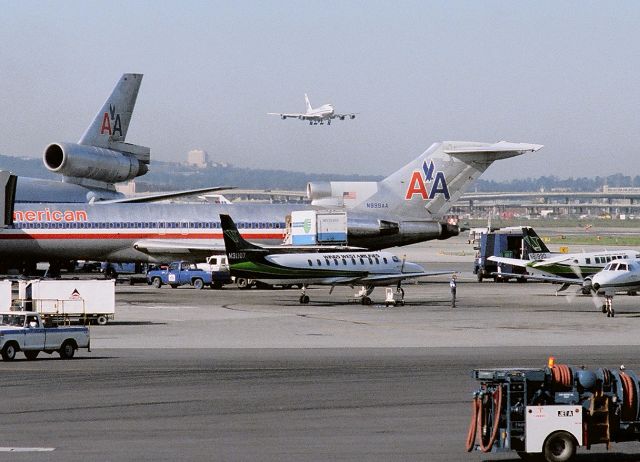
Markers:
point(144, 232)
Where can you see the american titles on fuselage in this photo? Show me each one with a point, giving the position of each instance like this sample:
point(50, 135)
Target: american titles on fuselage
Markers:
point(69, 216)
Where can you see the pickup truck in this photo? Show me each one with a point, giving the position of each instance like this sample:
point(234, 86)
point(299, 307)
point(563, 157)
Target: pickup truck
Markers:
point(25, 331)
point(180, 273)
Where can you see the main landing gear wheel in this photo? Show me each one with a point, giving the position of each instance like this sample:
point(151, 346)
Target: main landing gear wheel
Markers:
point(304, 299)
point(366, 300)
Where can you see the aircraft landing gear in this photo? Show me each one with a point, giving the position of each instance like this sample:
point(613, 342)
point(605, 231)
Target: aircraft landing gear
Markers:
point(363, 295)
point(304, 298)
point(329, 122)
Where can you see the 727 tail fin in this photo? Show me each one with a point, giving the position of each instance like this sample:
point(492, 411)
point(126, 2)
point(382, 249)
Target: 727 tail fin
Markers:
point(112, 120)
point(428, 186)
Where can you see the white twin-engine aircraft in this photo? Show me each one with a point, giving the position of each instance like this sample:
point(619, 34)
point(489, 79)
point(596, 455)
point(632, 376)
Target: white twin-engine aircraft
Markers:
point(315, 116)
point(330, 268)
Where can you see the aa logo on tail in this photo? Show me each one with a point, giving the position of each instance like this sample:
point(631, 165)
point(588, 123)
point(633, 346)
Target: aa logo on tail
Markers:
point(429, 185)
point(111, 123)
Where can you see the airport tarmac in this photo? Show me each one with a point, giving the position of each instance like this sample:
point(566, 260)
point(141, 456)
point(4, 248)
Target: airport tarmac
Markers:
point(253, 375)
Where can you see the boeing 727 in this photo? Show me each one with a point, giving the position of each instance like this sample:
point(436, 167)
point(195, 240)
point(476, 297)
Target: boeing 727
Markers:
point(333, 268)
point(315, 116)
point(404, 208)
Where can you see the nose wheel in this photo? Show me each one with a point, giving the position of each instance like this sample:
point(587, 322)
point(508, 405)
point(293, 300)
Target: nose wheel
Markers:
point(304, 298)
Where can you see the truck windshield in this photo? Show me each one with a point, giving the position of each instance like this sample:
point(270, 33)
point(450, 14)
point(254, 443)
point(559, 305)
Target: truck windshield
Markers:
point(12, 320)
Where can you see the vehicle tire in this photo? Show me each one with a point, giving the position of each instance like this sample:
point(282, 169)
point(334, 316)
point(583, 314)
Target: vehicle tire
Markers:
point(304, 299)
point(9, 351)
point(604, 308)
point(156, 282)
point(216, 285)
point(174, 286)
point(31, 355)
point(67, 350)
point(479, 277)
point(102, 320)
point(242, 283)
point(559, 447)
point(198, 284)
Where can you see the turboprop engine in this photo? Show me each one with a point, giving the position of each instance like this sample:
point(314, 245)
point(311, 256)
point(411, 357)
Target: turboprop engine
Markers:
point(100, 164)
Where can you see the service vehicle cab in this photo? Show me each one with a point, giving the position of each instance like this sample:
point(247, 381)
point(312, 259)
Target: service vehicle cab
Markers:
point(180, 273)
point(25, 331)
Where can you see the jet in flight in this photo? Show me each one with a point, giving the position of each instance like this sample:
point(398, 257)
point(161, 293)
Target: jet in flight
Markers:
point(100, 159)
point(404, 208)
point(316, 116)
point(332, 268)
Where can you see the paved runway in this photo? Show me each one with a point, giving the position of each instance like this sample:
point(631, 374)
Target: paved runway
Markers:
point(252, 375)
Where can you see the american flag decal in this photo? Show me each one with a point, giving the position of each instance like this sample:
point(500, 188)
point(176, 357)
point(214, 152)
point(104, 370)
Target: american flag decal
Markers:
point(349, 195)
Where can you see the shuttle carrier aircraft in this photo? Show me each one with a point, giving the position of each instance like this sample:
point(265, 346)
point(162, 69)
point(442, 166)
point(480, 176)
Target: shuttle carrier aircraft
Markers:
point(404, 208)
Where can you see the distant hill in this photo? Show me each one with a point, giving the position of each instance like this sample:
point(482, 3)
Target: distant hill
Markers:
point(165, 176)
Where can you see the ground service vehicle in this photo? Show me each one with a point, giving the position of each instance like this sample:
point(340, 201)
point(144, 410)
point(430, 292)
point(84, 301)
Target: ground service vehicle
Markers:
point(520, 242)
point(180, 273)
point(25, 331)
point(547, 413)
point(85, 300)
point(218, 266)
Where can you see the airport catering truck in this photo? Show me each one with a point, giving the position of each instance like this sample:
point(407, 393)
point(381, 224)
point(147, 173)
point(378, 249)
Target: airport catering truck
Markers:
point(26, 331)
point(520, 242)
point(181, 273)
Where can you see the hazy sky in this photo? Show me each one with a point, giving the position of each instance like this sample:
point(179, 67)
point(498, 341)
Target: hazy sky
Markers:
point(562, 74)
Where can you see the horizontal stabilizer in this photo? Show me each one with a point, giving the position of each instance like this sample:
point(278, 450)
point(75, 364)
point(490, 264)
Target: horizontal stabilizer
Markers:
point(501, 150)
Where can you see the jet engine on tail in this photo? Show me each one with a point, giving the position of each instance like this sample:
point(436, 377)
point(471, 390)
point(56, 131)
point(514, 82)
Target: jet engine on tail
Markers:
point(90, 162)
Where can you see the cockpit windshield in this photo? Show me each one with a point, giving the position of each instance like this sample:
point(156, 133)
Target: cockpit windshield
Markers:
point(615, 266)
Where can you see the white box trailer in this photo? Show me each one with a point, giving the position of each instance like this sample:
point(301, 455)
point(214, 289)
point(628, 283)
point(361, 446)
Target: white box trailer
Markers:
point(317, 227)
point(5, 295)
point(70, 300)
